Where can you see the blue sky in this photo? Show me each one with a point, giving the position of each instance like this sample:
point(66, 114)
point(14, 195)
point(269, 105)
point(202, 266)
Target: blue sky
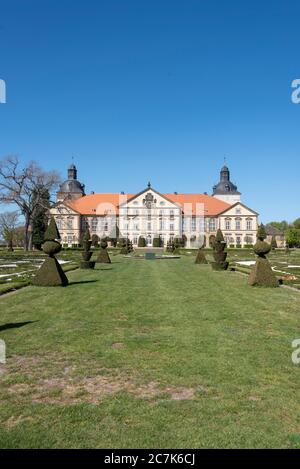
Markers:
point(156, 90)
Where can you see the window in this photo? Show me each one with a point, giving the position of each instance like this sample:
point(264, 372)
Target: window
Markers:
point(160, 213)
point(126, 226)
point(59, 224)
point(70, 239)
point(238, 210)
point(212, 224)
point(193, 224)
point(172, 214)
point(149, 216)
point(227, 224)
point(135, 240)
point(136, 211)
point(249, 225)
point(171, 226)
point(237, 224)
point(161, 224)
point(248, 239)
point(238, 240)
point(94, 224)
point(136, 226)
point(149, 226)
point(69, 223)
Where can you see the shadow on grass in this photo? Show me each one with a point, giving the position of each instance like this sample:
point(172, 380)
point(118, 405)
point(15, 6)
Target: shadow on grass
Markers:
point(104, 269)
point(82, 281)
point(15, 325)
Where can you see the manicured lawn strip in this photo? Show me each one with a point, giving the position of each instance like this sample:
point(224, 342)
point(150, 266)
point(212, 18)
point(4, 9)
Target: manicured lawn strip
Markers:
point(179, 325)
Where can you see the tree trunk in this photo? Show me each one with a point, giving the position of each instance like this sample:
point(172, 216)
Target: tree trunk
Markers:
point(27, 223)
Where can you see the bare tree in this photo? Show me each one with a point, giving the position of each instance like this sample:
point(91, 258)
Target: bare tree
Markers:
point(9, 222)
point(25, 187)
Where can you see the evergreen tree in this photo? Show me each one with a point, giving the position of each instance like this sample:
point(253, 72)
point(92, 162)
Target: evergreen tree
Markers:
point(41, 201)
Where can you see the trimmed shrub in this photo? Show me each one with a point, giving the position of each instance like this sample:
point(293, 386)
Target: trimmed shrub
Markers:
point(211, 240)
point(50, 273)
point(121, 242)
point(125, 246)
point(86, 263)
point(95, 240)
point(141, 242)
point(200, 258)
point(103, 256)
point(218, 252)
point(178, 243)
point(261, 273)
point(156, 242)
point(170, 246)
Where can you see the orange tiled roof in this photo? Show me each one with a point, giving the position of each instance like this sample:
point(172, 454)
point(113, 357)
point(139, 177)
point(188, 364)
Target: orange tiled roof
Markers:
point(212, 206)
point(100, 204)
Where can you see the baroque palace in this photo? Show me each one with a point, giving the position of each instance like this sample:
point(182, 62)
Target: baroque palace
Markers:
point(193, 217)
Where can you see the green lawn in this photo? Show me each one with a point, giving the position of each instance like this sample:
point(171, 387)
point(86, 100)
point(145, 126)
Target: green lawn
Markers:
point(140, 353)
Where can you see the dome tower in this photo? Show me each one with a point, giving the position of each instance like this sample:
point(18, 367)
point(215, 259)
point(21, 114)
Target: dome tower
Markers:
point(70, 189)
point(225, 190)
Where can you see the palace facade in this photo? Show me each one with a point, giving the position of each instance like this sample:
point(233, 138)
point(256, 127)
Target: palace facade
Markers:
point(192, 217)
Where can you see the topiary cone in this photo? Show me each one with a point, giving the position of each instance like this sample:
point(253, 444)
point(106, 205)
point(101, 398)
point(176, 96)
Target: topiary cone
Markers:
point(103, 256)
point(261, 273)
point(219, 255)
point(87, 254)
point(50, 273)
point(51, 232)
point(200, 258)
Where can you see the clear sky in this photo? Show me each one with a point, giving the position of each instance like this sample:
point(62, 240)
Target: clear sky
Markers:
point(157, 90)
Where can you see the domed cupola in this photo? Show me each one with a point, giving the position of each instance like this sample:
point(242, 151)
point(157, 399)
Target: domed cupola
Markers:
point(225, 189)
point(71, 188)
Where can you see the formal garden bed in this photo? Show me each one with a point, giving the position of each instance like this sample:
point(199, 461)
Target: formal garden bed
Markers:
point(17, 269)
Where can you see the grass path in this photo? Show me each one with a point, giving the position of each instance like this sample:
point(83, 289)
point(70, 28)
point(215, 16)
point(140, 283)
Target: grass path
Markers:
point(150, 354)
